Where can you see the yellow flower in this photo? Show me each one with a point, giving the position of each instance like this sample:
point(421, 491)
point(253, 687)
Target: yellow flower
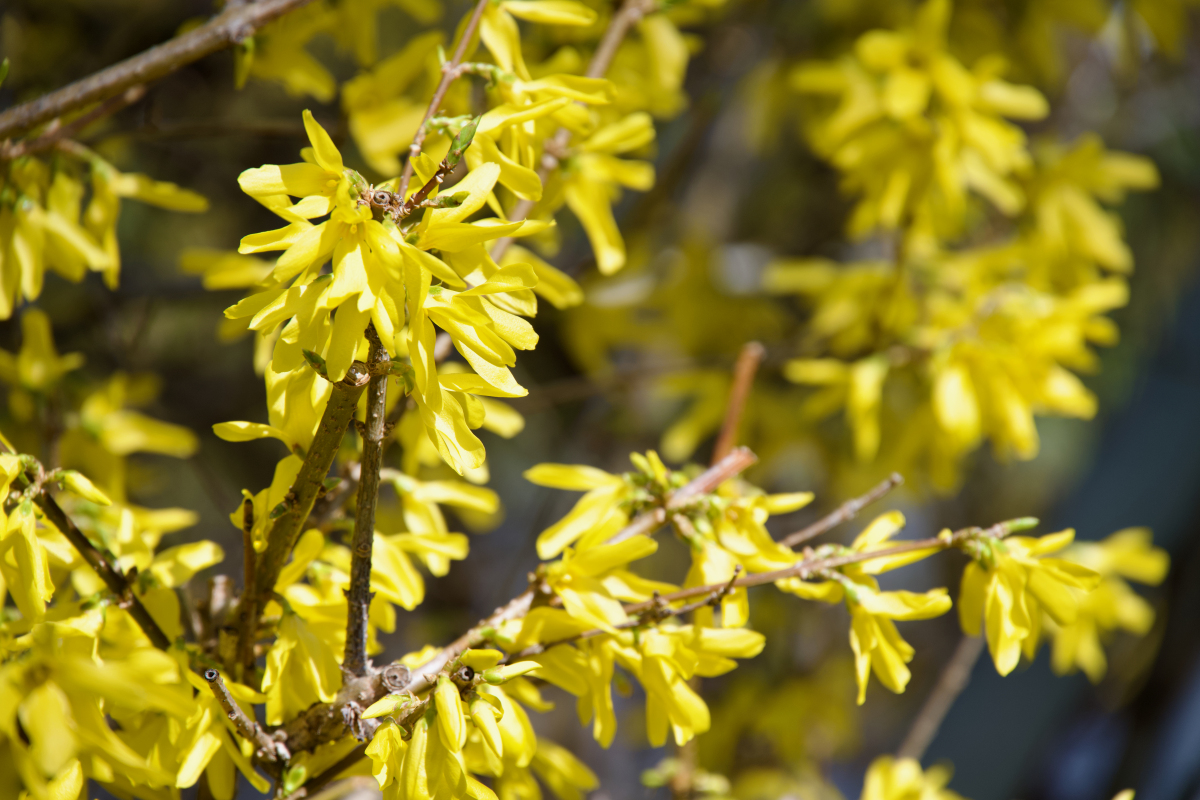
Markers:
point(1112, 605)
point(37, 366)
point(578, 579)
point(1010, 583)
point(876, 643)
point(280, 53)
point(913, 129)
point(499, 32)
point(903, 779)
point(108, 430)
point(301, 670)
point(597, 515)
point(664, 659)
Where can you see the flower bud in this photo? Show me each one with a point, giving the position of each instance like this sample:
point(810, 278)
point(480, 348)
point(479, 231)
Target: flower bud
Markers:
point(498, 675)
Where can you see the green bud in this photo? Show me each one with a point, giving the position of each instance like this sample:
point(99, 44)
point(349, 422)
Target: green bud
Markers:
point(3, 70)
point(317, 363)
point(450, 200)
point(294, 778)
point(499, 675)
point(461, 142)
point(1020, 524)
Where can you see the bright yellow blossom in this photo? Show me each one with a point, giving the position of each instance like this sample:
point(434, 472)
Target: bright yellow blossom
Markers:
point(1010, 583)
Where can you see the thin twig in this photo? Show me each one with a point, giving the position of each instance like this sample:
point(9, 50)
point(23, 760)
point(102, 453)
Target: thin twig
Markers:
point(232, 26)
point(267, 747)
point(815, 564)
point(450, 73)
point(248, 610)
point(292, 513)
point(56, 133)
point(630, 14)
point(843, 513)
point(749, 358)
point(105, 565)
point(358, 596)
point(954, 678)
point(647, 522)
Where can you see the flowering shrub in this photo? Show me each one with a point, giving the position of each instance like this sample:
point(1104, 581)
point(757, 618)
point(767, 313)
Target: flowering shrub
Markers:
point(388, 310)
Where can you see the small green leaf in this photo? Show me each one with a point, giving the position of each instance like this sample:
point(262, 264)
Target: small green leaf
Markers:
point(461, 142)
point(317, 363)
point(3, 70)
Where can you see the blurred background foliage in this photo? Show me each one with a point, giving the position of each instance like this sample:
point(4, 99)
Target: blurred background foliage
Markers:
point(728, 246)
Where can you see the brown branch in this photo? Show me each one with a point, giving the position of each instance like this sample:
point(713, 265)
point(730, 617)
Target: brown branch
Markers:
point(230, 27)
point(248, 611)
point(267, 747)
point(105, 565)
point(343, 402)
point(843, 513)
point(631, 13)
point(647, 522)
point(555, 149)
point(749, 358)
point(56, 133)
point(450, 73)
point(954, 678)
point(358, 596)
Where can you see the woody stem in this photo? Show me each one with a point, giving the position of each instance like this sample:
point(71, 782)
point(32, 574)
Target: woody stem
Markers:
point(358, 596)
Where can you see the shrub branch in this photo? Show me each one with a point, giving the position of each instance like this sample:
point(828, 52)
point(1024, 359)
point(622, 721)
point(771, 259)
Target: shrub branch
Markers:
point(358, 596)
point(232, 26)
point(300, 497)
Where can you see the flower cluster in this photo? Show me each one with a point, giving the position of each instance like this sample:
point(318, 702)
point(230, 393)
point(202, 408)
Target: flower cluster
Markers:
point(45, 225)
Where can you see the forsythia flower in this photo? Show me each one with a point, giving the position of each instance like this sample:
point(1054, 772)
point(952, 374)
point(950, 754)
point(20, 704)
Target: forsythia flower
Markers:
point(903, 779)
point(876, 643)
point(598, 514)
point(913, 129)
point(1112, 604)
point(1010, 583)
point(44, 224)
point(301, 670)
point(664, 659)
